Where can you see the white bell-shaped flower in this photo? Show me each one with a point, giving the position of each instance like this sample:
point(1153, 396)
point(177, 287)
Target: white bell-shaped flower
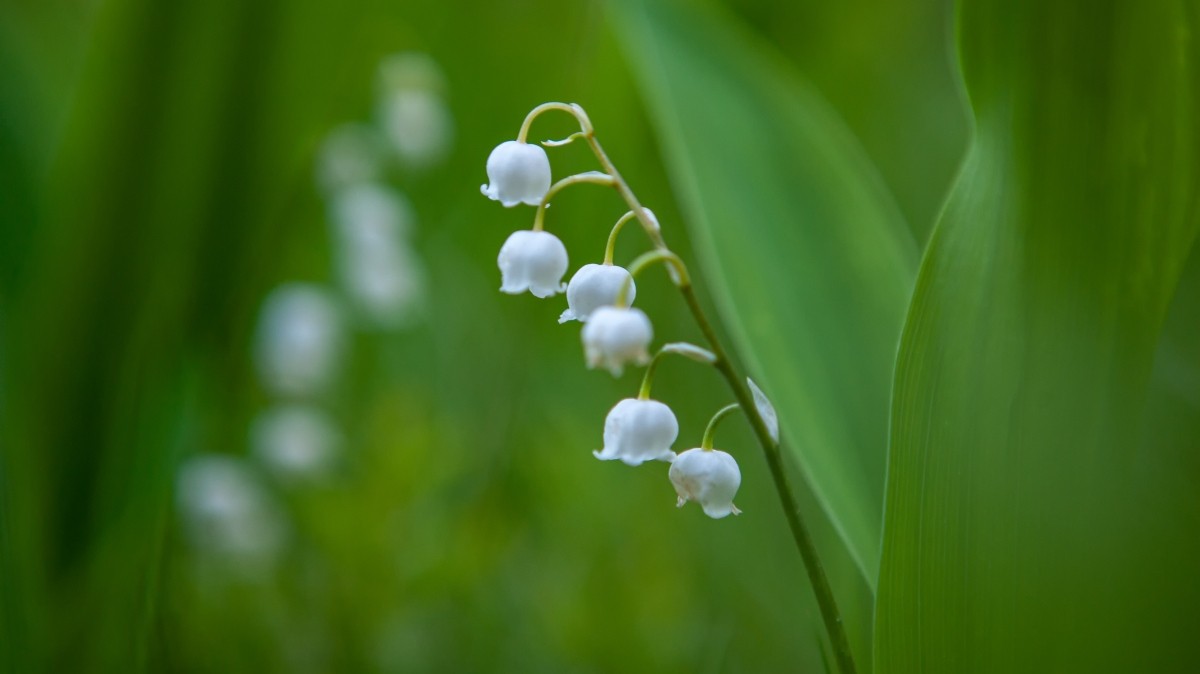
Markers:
point(614, 336)
point(520, 173)
point(636, 431)
point(533, 261)
point(595, 286)
point(709, 477)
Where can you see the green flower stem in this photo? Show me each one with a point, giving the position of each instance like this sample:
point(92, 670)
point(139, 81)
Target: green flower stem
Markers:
point(592, 177)
point(696, 353)
point(612, 236)
point(741, 392)
point(573, 110)
point(676, 267)
point(711, 430)
point(627, 194)
point(588, 132)
point(791, 508)
point(648, 378)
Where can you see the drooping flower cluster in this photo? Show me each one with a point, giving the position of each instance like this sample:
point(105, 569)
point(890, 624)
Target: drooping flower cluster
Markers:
point(615, 334)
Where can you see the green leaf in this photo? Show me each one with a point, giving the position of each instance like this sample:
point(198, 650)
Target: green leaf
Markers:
point(808, 256)
point(1041, 516)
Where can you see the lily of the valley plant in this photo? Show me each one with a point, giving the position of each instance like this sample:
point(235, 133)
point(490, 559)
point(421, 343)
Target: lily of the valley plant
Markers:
point(616, 334)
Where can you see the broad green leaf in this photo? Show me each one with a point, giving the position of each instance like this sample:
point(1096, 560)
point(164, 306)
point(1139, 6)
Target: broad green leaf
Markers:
point(1041, 515)
point(810, 261)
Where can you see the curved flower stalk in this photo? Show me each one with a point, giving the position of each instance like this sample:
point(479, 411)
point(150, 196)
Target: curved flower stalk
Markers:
point(615, 334)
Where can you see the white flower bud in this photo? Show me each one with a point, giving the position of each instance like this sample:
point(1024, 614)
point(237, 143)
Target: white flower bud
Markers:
point(636, 431)
point(595, 286)
point(709, 477)
point(653, 221)
point(520, 173)
point(765, 410)
point(614, 336)
point(533, 261)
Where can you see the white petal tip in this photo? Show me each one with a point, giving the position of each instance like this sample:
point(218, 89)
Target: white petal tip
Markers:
point(722, 513)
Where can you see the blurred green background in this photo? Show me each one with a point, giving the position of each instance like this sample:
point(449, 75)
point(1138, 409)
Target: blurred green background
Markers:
point(157, 183)
point(166, 167)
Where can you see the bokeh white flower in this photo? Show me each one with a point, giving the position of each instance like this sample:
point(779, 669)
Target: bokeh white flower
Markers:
point(383, 279)
point(636, 431)
point(412, 109)
point(709, 477)
point(296, 443)
point(387, 286)
point(369, 214)
point(417, 123)
point(227, 513)
point(595, 286)
point(519, 173)
point(300, 340)
point(351, 154)
point(533, 261)
point(616, 336)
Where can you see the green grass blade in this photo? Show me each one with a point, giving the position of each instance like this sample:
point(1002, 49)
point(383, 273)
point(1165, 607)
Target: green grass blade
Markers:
point(1036, 515)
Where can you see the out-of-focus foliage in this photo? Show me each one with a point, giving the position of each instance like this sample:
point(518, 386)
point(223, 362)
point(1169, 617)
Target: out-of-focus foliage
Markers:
point(1042, 499)
point(403, 479)
point(158, 168)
